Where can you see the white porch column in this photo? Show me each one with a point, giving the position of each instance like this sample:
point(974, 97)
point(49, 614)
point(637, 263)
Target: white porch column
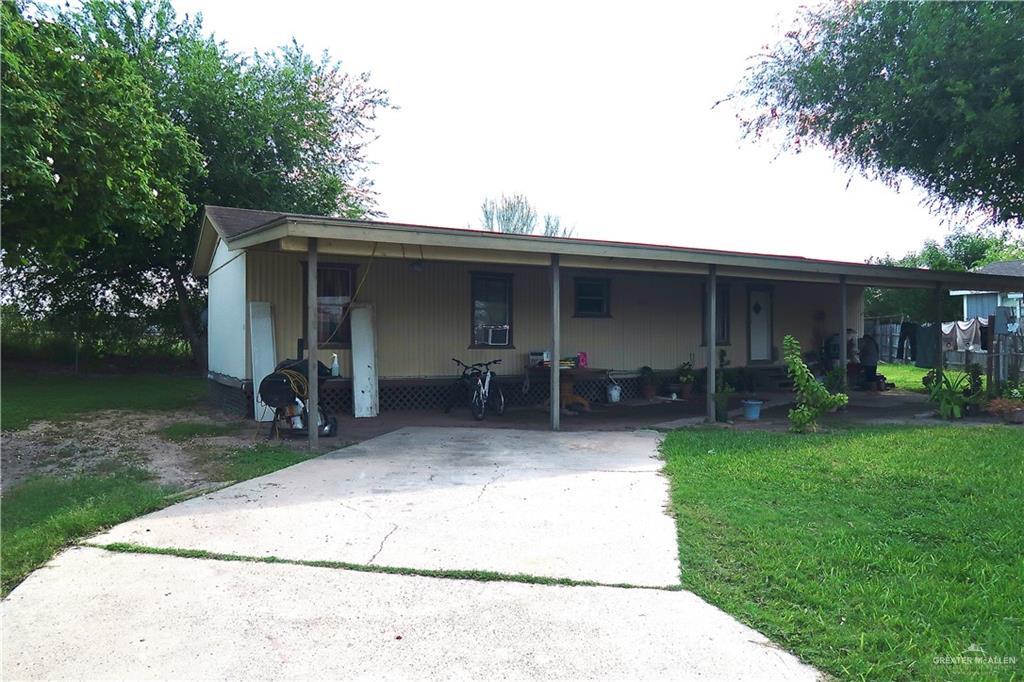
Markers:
point(312, 410)
point(843, 314)
point(710, 327)
point(556, 350)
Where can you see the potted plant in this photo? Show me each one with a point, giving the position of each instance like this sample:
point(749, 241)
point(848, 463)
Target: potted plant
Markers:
point(1010, 410)
point(686, 377)
point(648, 383)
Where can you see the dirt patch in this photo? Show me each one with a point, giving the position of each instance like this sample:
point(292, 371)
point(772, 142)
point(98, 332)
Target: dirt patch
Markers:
point(111, 440)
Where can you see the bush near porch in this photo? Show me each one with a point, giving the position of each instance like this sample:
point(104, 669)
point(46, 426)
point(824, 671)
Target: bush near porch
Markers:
point(871, 553)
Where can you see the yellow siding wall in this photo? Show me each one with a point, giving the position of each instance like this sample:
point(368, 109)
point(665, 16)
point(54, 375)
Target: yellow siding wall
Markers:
point(423, 318)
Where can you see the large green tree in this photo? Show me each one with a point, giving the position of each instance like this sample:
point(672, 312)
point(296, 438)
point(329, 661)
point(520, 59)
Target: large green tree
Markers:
point(932, 92)
point(276, 131)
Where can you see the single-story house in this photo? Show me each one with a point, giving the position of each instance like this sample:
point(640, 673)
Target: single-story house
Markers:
point(421, 295)
point(983, 303)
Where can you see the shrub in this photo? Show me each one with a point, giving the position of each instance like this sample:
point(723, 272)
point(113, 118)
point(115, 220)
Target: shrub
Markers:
point(1005, 408)
point(812, 398)
point(952, 395)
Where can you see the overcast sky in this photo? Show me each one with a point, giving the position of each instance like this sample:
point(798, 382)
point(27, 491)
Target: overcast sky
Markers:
point(599, 113)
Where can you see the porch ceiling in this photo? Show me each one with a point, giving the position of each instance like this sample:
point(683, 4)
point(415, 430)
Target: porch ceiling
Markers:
point(241, 229)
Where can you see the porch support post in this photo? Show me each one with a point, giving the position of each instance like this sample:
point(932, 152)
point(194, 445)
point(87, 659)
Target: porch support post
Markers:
point(312, 402)
point(710, 327)
point(843, 315)
point(556, 349)
point(940, 355)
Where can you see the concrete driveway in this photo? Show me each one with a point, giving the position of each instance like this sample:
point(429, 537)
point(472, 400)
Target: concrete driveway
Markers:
point(93, 614)
point(585, 506)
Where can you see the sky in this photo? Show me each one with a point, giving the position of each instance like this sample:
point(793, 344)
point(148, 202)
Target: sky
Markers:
point(600, 113)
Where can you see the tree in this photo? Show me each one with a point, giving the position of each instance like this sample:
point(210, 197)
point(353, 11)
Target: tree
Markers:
point(278, 131)
point(961, 250)
point(928, 91)
point(87, 155)
point(516, 215)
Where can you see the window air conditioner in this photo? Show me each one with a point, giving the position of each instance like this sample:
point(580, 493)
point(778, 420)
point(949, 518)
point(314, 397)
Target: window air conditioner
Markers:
point(497, 336)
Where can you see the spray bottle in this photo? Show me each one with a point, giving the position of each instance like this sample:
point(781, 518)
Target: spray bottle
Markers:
point(335, 366)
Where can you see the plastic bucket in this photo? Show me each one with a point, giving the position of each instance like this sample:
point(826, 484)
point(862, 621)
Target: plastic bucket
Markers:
point(752, 409)
point(614, 393)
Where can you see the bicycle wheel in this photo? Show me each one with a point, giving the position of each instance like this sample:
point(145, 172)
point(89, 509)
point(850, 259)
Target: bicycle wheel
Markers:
point(478, 404)
point(497, 401)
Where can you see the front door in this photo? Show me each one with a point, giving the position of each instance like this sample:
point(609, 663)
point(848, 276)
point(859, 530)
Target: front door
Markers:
point(759, 318)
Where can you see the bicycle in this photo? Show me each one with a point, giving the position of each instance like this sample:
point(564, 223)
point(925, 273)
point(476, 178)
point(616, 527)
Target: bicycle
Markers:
point(477, 381)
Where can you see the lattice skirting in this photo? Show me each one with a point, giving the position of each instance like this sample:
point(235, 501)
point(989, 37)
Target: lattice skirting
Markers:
point(419, 394)
point(433, 394)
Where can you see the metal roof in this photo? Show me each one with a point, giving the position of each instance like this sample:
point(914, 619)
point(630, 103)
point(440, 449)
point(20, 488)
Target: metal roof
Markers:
point(244, 228)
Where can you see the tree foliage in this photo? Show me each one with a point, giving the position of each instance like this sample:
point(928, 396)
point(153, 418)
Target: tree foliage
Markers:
point(88, 157)
point(959, 251)
point(277, 131)
point(516, 215)
point(928, 91)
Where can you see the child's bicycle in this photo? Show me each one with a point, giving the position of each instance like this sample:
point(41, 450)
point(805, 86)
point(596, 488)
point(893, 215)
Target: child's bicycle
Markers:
point(478, 385)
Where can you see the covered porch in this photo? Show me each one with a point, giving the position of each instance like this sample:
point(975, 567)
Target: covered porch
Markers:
point(436, 293)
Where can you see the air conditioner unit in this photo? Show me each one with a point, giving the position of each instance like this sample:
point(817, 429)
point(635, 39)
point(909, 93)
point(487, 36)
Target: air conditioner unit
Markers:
point(496, 336)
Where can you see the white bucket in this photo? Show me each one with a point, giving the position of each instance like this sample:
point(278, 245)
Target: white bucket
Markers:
point(614, 393)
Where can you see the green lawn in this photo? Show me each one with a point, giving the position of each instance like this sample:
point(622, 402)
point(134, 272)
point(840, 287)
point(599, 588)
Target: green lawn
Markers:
point(28, 398)
point(906, 377)
point(867, 552)
point(42, 515)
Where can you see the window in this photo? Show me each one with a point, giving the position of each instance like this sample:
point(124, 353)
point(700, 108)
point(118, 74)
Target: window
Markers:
point(721, 316)
point(592, 297)
point(491, 310)
point(333, 294)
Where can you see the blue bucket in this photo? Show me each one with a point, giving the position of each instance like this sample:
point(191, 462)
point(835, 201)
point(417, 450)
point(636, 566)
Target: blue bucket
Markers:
point(752, 409)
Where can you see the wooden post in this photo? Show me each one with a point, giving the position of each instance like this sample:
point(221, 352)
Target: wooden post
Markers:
point(940, 358)
point(556, 350)
point(843, 357)
point(312, 332)
point(710, 329)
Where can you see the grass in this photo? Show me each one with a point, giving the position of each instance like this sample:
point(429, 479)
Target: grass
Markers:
point(29, 398)
point(184, 431)
point(448, 574)
point(245, 463)
point(906, 377)
point(43, 515)
point(869, 552)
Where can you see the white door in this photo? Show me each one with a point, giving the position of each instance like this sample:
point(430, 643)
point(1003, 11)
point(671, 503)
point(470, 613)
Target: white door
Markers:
point(364, 362)
point(263, 353)
point(759, 315)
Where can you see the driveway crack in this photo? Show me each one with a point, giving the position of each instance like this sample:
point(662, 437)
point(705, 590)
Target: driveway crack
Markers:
point(394, 527)
point(484, 489)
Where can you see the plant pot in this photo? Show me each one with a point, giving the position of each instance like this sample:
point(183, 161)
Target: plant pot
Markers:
point(648, 391)
point(752, 409)
point(686, 390)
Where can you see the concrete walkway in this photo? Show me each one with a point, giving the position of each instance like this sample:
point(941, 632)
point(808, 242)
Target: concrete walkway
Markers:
point(93, 614)
point(585, 506)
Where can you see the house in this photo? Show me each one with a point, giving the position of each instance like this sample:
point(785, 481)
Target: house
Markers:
point(422, 295)
point(983, 303)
